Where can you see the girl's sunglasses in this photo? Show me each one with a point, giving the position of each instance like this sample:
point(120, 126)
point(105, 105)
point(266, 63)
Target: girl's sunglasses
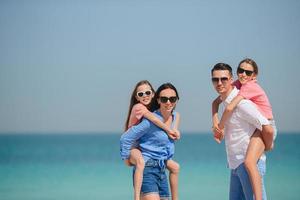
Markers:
point(166, 99)
point(144, 93)
point(241, 71)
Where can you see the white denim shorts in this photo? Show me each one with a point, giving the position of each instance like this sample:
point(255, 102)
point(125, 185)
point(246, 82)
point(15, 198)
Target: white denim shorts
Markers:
point(272, 123)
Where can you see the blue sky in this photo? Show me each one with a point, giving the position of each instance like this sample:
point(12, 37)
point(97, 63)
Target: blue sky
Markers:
point(70, 66)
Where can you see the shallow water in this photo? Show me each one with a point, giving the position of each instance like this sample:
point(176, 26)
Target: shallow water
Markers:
point(88, 166)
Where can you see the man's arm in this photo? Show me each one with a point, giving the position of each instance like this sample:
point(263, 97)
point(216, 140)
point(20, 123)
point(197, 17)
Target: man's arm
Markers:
point(130, 136)
point(215, 107)
point(218, 133)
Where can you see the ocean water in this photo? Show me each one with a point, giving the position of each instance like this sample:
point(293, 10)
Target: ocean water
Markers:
point(88, 166)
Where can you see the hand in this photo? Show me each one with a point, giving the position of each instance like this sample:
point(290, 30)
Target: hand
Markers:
point(215, 129)
point(172, 134)
point(177, 134)
point(221, 130)
point(218, 134)
point(218, 137)
point(128, 163)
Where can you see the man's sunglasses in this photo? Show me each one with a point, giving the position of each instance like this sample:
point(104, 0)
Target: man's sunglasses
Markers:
point(241, 71)
point(166, 99)
point(222, 79)
point(144, 93)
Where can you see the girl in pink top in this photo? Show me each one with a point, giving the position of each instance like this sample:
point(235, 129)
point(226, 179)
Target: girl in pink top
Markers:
point(260, 140)
point(140, 105)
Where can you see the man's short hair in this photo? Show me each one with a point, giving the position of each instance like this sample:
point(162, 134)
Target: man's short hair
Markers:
point(221, 66)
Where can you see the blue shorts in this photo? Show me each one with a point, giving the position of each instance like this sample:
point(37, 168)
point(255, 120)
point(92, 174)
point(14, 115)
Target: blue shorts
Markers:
point(155, 179)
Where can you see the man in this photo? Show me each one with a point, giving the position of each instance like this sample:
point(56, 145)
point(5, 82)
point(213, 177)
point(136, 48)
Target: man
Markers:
point(238, 130)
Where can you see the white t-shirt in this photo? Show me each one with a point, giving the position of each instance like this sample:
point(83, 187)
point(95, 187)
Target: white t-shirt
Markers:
point(239, 128)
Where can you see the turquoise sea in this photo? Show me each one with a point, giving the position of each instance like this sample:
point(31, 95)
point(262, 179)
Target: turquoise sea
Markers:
point(88, 167)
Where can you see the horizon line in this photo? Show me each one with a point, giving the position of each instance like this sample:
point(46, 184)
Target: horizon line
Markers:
point(106, 132)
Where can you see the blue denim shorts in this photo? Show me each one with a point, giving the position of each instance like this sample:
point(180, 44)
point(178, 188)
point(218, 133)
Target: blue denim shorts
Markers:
point(155, 179)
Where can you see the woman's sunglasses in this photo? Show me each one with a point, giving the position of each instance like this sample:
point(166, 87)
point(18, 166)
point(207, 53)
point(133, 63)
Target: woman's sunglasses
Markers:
point(222, 79)
point(144, 93)
point(241, 71)
point(166, 99)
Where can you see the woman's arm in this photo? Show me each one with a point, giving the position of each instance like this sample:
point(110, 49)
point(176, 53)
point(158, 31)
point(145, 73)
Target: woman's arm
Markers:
point(228, 110)
point(176, 126)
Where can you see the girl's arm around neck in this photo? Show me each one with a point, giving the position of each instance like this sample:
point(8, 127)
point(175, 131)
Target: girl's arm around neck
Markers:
point(150, 116)
point(228, 110)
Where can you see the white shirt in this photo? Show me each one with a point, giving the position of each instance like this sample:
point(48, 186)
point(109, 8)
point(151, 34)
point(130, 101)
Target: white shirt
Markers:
point(239, 128)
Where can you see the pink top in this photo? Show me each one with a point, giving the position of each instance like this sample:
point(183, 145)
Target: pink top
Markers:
point(252, 91)
point(137, 112)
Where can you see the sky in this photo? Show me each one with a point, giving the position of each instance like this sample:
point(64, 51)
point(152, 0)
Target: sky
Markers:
point(70, 66)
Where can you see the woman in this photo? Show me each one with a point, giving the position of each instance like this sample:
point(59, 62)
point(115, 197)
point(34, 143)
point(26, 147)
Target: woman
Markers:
point(156, 147)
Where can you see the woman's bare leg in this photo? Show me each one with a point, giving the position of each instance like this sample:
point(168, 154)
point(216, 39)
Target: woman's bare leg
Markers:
point(173, 167)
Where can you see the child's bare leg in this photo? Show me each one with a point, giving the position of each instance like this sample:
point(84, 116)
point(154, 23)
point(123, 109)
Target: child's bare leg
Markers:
point(151, 197)
point(173, 167)
point(267, 136)
point(255, 149)
point(136, 159)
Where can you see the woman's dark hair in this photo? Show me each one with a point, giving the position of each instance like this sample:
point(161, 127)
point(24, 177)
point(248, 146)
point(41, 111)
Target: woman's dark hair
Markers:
point(134, 101)
point(250, 62)
point(164, 86)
